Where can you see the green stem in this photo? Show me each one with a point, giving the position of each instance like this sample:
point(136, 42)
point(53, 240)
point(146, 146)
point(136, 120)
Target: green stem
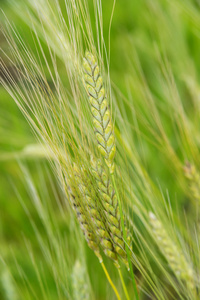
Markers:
point(125, 239)
point(110, 281)
point(123, 285)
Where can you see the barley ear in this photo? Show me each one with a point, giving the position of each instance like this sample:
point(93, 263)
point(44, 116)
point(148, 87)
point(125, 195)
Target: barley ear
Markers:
point(100, 110)
point(78, 206)
point(83, 220)
point(79, 282)
point(111, 208)
point(7, 286)
point(193, 179)
point(174, 256)
point(93, 215)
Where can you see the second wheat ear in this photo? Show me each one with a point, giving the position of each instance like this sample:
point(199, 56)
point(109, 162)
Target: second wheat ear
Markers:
point(90, 221)
point(89, 216)
point(100, 110)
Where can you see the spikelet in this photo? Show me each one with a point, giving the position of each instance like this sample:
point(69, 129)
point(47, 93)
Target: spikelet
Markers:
point(83, 220)
point(174, 256)
point(80, 285)
point(111, 208)
point(92, 220)
point(100, 110)
point(193, 178)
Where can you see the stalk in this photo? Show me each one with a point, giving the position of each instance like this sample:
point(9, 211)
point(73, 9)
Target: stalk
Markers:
point(110, 281)
point(125, 239)
point(123, 285)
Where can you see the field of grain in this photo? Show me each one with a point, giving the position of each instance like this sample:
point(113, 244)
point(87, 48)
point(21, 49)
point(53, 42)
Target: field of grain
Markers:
point(99, 149)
